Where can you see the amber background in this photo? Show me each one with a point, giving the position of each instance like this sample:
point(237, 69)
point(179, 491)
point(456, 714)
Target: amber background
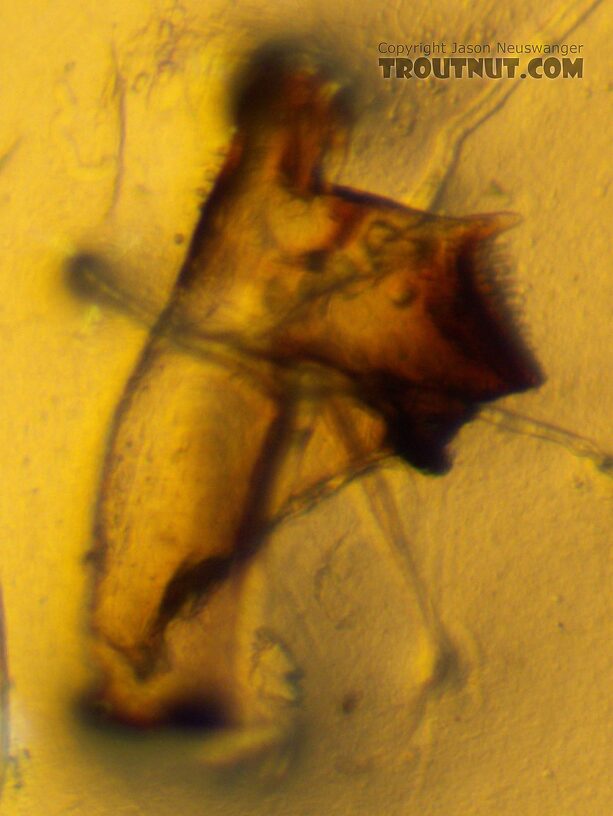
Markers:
point(113, 118)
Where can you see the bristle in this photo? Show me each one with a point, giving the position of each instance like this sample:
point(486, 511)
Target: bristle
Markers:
point(495, 273)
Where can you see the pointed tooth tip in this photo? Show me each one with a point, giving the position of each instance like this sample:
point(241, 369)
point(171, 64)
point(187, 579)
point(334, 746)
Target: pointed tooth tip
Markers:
point(486, 225)
point(494, 223)
point(507, 220)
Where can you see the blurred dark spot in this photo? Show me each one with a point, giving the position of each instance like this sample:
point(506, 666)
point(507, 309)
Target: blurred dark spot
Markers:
point(315, 261)
point(83, 274)
point(187, 714)
point(261, 84)
point(449, 670)
point(606, 465)
point(350, 702)
point(196, 715)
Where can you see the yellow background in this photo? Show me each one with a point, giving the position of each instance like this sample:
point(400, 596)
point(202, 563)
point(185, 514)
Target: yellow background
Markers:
point(111, 130)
